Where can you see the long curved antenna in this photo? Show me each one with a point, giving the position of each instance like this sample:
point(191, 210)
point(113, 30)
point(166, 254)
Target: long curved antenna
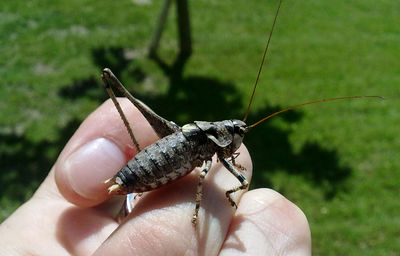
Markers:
point(312, 102)
point(262, 61)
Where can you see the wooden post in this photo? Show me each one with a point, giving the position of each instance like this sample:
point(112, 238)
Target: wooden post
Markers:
point(183, 22)
point(185, 41)
point(159, 29)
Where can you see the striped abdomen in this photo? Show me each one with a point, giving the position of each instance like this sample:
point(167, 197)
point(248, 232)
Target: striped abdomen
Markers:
point(164, 161)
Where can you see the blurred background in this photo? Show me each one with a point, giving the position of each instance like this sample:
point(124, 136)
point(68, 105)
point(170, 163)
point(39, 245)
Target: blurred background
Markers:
point(338, 161)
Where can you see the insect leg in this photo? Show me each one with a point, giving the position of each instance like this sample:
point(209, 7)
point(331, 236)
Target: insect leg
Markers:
point(199, 191)
point(160, 125)
point(244, 183)
point(233, 160)
point(121, 113)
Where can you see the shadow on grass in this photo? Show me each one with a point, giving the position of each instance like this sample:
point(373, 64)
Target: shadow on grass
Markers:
point(90, 87)
point(271, 151)
point(25, 164)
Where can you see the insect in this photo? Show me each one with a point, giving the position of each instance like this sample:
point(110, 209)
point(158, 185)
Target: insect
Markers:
point(181, 149)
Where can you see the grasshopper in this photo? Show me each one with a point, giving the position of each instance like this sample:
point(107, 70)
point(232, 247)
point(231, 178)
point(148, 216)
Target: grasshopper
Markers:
point(181, 149)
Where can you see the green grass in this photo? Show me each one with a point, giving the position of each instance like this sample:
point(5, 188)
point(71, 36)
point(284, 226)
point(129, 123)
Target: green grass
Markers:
point(338, 161)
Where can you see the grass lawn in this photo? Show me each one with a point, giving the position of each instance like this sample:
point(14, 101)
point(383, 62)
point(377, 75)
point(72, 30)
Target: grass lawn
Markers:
point(338, 161)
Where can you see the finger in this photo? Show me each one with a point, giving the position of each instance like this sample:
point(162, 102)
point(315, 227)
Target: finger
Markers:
point(54, 227)
point(266, 223)
point(97, 150)
point(160, 223)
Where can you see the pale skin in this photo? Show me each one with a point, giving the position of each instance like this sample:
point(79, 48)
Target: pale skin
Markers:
point(71, 214)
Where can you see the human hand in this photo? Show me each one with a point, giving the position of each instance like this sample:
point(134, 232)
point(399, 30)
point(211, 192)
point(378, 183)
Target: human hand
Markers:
point(72, 213)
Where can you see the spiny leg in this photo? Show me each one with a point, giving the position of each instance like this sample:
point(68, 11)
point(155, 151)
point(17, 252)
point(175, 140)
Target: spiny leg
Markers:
point(160, 125)
point(199, 191)
point(121, 113)
point(233, 160)
point(244, 183)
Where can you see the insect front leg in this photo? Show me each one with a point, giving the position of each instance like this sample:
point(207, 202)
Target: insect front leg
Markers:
point(233, 160)
point(244, 183)
point(199, 193)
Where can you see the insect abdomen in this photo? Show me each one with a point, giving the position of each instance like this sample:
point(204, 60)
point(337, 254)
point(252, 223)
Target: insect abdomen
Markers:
point(164, 161)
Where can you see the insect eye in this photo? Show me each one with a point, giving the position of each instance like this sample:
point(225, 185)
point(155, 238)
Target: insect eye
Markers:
point(241, 130)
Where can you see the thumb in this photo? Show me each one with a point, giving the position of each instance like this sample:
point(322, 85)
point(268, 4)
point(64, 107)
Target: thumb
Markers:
point(98, 149)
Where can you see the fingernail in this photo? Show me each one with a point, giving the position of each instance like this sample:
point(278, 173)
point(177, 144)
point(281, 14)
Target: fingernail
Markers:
point(92, 164)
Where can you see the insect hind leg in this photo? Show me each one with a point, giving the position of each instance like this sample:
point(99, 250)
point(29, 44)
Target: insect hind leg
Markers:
point(160, 125)
point(244, 183)
point(110, 92)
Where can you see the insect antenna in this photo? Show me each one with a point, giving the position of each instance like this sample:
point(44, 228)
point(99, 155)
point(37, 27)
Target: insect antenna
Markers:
point(262, 61)
point(309, 103)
